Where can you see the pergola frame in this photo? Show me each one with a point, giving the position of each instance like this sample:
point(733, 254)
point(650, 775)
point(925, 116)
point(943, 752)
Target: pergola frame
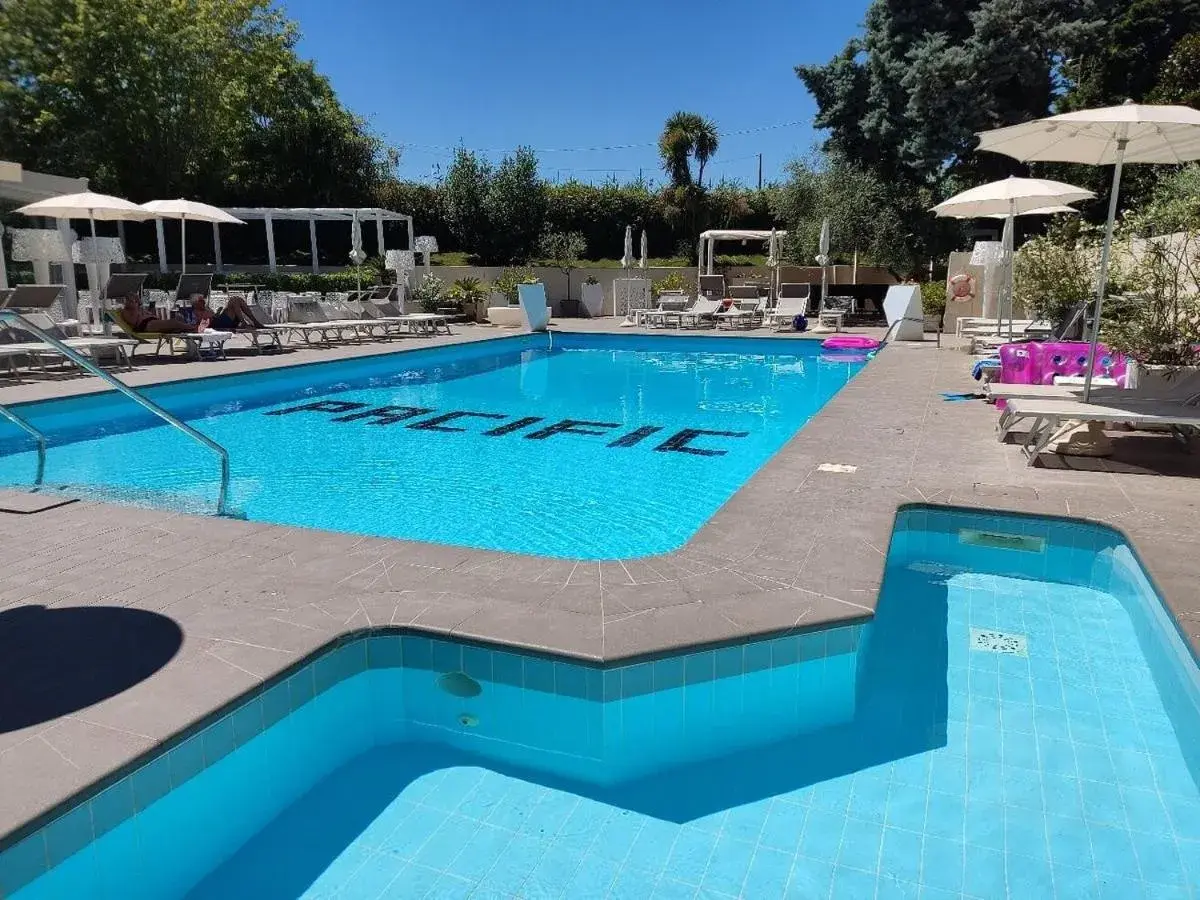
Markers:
point(312, 215)
point(21, 186)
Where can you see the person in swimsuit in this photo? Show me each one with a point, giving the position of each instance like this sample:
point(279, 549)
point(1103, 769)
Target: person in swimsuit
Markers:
point(142, 321)
point(235, 315)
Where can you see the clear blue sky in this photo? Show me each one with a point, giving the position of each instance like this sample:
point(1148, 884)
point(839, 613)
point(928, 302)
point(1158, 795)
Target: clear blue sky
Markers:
point(576, 74)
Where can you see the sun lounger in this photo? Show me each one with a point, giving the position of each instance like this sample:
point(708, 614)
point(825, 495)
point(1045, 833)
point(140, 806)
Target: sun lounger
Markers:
point(735, 315)
point(92, 346)
point(699, 313)
point(712, 286)
point(309, 319)
point(786, 310)
point(1051, 418)
point(192, 343)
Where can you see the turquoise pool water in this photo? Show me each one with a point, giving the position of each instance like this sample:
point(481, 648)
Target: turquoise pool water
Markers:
point(1021, 719)
point(605, 447)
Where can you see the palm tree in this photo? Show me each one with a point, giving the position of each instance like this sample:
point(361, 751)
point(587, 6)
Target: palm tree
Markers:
point(686, 136)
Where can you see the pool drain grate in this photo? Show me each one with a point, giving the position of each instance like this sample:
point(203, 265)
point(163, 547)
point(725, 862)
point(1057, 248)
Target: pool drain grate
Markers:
point(987, 641)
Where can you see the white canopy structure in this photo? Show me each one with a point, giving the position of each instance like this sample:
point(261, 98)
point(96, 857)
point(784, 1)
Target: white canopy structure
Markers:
point(312, 215)
point(709, 238)
point(21, 186)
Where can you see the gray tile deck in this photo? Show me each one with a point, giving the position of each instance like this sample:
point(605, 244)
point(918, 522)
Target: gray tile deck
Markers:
point(795, 548)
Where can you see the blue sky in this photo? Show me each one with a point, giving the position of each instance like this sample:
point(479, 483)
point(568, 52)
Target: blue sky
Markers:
point(567, 74)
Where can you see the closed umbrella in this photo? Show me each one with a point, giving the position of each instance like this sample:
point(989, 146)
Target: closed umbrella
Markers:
point(357, 255)
point(185, 211)
point(1005, 199)
point(1113, 135)
point(773, 260)
point(642, 263)
point(90, 206)
point(627, 259)
point(823, 261)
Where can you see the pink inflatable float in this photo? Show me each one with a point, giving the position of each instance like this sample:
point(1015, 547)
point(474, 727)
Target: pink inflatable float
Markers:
point(849, 342)
point(1032, 363)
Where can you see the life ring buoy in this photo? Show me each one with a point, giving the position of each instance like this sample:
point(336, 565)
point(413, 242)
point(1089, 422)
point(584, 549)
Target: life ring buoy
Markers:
point(962, 287)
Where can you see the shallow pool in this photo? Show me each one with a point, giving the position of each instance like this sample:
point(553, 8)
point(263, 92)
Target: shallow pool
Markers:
point(1021, 719)
point(605, 447)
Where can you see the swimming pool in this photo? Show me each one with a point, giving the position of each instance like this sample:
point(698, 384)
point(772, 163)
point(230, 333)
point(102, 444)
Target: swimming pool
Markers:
point(1020, 719)
point(605, 447)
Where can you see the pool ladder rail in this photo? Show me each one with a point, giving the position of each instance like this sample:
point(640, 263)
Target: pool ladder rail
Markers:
point(10, 315)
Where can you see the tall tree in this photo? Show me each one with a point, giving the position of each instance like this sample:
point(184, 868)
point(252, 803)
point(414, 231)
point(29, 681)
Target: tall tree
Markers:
point(516, 203)
point(907, 97)
point(1127, 61)
point(685, 137)
point(464, 196)
point(866, 215)
point(154, 98)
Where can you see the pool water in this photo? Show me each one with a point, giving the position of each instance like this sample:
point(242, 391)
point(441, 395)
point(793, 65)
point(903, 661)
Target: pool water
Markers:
point(605, 447)
point(1021, 719)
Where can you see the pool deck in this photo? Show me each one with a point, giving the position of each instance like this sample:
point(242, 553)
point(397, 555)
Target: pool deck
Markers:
point(795, 548)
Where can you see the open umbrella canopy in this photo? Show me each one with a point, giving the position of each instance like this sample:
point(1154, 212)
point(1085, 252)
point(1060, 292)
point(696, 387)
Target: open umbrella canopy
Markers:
point(1041, 211)
point(1152, 134)
point(186, 210)
point(190, 209)
point(1010, 196)
point(1111, 135)
point(86, 205)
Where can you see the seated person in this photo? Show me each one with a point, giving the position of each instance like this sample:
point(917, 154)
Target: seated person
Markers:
point(142, 321)
point(235, 315)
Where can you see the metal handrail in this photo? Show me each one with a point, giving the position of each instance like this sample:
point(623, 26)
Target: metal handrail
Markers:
point(33, 433)
point(88, 366)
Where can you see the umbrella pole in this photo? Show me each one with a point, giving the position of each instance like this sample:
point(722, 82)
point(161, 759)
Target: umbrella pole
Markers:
point(1008, 256)
point(182, 246)
point(101, 295)
point(1102, 282)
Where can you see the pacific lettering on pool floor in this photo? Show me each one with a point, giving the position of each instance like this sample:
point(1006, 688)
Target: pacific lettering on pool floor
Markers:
point(678, 442)
point(437, 423)
point(385, 415)
point(350, 411)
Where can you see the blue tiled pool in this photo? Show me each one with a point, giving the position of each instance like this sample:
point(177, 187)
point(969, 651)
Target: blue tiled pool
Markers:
point(604, 447)
point(1021, 719)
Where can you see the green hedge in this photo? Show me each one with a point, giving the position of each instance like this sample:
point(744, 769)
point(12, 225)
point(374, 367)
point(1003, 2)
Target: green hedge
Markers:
point(285, 281)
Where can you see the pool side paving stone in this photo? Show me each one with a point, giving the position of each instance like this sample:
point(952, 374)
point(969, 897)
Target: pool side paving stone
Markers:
point(795, 548)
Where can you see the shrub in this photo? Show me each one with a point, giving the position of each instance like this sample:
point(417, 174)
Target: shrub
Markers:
point(507, 283)
point(672, 281)
point(1055, 271)
point(468, 294)
point(933, 298)
point(428, 292)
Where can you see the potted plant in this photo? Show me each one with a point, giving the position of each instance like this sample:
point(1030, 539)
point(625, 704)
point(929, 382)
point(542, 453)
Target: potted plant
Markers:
point(469, 294)
point(506, 284)
point(592, 299)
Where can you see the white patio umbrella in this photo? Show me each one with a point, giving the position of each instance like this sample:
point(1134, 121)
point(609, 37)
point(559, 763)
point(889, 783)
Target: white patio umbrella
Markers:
point(90, 206)
point(642, 262)
point(357, 254)
point(1041, 211)
point(185, 211)
point(823, 262)
point(773, 260)
point(627, 259)
point(1005, 199)
point(1110, 136)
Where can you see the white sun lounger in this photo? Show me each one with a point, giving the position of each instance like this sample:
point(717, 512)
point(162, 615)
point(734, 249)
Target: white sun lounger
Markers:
point(1050, 418)
point(786, 310)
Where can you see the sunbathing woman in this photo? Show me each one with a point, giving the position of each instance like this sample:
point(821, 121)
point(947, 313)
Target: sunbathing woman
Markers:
point(235, 315)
